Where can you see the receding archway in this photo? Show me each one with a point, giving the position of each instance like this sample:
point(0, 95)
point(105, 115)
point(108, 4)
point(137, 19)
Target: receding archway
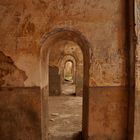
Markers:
point(47, 42)
point(77, 72)
point(68, 77)
point(68, 72)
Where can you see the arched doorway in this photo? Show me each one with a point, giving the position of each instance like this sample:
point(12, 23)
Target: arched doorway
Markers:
point(69, 72)
point(77, 70)
point(68, 78)
point(48, 42)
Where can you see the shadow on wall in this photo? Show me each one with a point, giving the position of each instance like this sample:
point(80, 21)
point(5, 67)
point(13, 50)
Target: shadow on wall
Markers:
point(54, 81)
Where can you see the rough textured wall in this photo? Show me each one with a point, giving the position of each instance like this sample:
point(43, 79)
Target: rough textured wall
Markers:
point(108, 117)
point(23, 23)
point(137, 73)
point(10, 75)
point(20, 111)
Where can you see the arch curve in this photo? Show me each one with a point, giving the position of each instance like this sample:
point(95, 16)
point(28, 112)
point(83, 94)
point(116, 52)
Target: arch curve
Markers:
point(47, 42)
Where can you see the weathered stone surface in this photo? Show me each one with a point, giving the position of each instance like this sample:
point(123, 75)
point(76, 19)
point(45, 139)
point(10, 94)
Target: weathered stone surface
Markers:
point(108, 118)
point(23, 26)
point(24, 23)
point(137, 73)
point(10, 75)
point(54, 81)
point(20, 114)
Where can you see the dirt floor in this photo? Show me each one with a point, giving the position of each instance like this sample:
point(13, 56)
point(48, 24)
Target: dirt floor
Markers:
point(68, 88)
point(65, 117)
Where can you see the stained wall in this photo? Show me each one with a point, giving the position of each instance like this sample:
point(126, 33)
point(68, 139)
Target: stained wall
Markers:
point(23, 24)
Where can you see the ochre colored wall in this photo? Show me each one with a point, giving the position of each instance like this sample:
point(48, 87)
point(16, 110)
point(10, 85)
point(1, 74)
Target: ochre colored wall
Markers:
point(136, 49)
point(24, 23)
point(54, 81)
point(108, 117)
point(22, 26)
point(20, 110)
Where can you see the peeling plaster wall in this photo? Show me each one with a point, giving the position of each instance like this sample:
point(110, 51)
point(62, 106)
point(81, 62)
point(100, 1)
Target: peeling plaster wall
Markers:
point(20, 110)
point(23, 23)
point(102, 22)
point(10, 75)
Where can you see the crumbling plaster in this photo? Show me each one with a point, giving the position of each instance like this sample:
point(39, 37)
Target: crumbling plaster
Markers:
point(24, 23)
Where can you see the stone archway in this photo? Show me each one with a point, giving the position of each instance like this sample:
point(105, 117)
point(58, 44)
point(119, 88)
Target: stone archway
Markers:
point(64, 60)
point(69, 71)
point(48, 42)
point(78, 72)
point(62, 63)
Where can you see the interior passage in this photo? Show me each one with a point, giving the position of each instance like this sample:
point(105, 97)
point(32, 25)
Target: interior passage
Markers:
point(68, 89)
point(65, 117)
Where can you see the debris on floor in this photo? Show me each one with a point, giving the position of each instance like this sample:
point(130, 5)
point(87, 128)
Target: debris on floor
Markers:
point(65, 117)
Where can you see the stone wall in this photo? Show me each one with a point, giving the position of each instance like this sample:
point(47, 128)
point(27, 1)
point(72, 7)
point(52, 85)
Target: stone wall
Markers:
point(23, 26)
point(10, 75)
point(108, 118)
point(137, 72)
point(24, 23)
point(54, 81)
point(20, 114)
